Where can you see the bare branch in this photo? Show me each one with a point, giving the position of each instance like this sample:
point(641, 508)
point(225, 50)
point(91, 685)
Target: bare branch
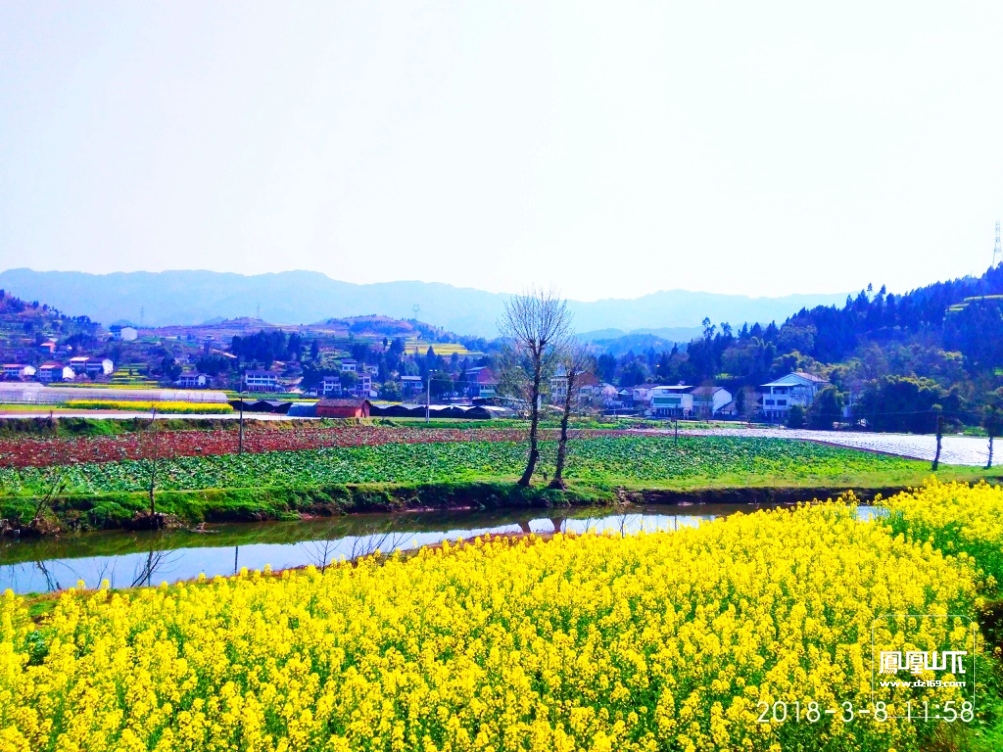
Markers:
point(538, 325)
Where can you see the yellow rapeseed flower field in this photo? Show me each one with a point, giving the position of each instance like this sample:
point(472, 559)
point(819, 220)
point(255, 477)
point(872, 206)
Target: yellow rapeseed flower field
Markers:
point(647, 642)
point(956, 518)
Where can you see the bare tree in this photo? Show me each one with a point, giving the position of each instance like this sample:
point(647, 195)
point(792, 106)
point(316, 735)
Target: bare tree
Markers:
point(575, 360)
point(150, 453)
point(537, 323)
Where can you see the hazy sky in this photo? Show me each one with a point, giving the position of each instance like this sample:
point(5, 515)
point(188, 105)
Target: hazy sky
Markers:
point(613, 149)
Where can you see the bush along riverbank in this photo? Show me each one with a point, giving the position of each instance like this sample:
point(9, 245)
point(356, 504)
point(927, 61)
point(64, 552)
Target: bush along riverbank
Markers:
point(123, 509)
point(129, 510)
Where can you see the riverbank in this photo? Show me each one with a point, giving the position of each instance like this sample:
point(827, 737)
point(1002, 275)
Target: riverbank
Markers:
point(448, 474)
point(109, 511)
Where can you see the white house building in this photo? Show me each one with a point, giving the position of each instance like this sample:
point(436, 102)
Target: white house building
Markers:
point(364, 386)
point(642, 394)
point(411, 386)
point(330, 386)
point(92, 366)
point(671, 401)
point(192, 380)
point(261, 381)
point(124, 333)
point(708, 401)
point(17, 371)
point(349, 366)
point(53, 372)
point(559, 386)
point(796, 388)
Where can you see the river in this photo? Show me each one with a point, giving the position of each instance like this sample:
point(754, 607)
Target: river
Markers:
point(130, 559)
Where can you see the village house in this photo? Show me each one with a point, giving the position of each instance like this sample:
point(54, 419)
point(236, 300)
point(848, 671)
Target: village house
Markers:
point(49, 373)
point(641, 394)
point(481, 383)
point(48, 347)
point(261, 381)
point(671, 401)
point(93, 367)
point(124, 333)
point(330, 386)
point(18, 371)
point(343, 408)
point(411, 386)
point(364, 387)
point(797, 388)
point(709, 401)
point(193, 380)
point(349, 366)
point(559, 386)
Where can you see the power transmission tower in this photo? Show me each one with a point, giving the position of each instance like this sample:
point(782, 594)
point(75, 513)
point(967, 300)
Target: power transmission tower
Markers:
point(997, 250)
point(417, 307)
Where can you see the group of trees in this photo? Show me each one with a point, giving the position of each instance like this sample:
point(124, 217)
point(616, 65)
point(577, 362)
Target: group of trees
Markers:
point(266, 347)
point(538, 329)
point(894, 357)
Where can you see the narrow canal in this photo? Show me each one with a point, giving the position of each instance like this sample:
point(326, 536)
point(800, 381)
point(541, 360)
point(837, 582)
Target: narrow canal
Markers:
point(130, 559)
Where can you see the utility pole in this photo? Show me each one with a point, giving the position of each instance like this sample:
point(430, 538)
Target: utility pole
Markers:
point(240, 434)
point(428, 396)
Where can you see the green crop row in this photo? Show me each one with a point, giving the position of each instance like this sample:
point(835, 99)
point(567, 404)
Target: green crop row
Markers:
point(634, 461)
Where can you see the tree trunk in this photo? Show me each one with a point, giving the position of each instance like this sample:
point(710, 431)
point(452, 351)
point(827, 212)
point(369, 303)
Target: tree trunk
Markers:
point(562, 444)
point(940, 435)
point(990, 463)
point(534, 449)
point(153, 490)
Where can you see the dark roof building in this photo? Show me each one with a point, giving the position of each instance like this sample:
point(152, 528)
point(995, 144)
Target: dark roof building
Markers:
point(343, 408)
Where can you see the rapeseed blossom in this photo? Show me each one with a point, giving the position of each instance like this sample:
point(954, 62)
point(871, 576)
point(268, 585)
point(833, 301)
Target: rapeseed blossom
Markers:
point(646, 642)
point(958, 518)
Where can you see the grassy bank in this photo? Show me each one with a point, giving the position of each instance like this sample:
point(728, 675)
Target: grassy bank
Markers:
point(113, 510)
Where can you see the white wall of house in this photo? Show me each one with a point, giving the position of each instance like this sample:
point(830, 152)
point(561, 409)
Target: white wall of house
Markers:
point(711, 404)
point(331, 386)
point(670, 402)
point(778, 396)
point(265, 381)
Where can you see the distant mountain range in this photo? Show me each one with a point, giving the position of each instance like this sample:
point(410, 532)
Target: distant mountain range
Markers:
point(302, 297)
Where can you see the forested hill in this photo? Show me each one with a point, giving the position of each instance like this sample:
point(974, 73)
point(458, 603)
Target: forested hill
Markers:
point(940, 346)
point(958, 315)
point(26, 324)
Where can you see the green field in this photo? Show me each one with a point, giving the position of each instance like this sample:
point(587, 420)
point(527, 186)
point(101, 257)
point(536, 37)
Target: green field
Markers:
point(633, 462)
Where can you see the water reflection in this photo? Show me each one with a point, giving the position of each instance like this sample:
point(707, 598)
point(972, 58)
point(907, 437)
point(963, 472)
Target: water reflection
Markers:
point(147, 559)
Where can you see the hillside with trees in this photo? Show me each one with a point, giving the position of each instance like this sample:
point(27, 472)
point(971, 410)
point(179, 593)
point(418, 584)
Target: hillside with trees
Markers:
point(26, 325)
point(897, 359)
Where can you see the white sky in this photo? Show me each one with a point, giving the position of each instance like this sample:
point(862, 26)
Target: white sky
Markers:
point(611, 150)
